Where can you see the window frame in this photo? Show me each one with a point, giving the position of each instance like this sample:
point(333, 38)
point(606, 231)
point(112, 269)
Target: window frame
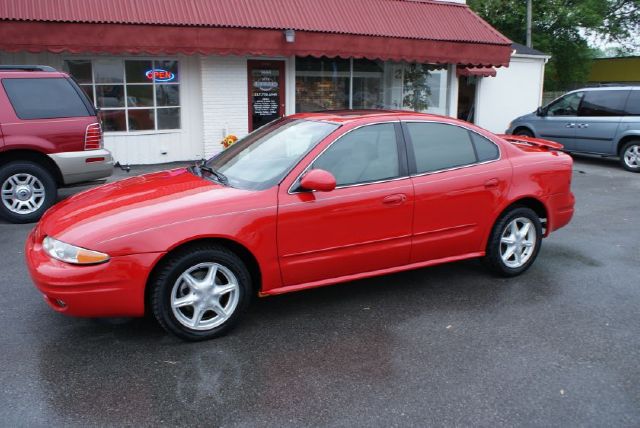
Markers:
point(413, 169)
point(401, 147)
point(124, 83)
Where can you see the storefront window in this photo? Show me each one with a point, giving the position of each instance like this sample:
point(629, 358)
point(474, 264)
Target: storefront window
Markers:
point(324, 84)
point(132, 95)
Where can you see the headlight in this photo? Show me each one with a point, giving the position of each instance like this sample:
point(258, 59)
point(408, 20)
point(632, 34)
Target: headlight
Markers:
point(71, 254)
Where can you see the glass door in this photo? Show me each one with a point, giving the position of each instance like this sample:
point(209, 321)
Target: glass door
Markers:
point(266, 92)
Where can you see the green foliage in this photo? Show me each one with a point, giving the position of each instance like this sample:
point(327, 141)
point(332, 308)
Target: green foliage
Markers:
point(562, 28)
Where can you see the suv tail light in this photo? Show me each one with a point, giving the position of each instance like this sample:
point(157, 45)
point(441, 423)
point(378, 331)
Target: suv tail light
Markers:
point(93, 137)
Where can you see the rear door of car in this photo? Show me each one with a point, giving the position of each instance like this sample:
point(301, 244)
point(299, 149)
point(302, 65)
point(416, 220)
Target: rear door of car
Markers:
point(598, 120)
point(364, 224)
point(459, 179)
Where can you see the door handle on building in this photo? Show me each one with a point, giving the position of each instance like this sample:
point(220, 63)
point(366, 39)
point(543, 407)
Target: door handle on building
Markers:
point(570, 125)
point(396, 199)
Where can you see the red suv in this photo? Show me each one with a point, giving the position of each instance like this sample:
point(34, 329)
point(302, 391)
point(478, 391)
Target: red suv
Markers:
point(50, 136)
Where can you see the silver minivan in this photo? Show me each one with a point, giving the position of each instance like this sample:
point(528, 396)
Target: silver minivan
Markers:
point(603, 120)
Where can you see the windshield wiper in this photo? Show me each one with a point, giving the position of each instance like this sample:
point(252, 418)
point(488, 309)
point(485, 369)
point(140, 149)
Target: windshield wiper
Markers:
point(220, 177)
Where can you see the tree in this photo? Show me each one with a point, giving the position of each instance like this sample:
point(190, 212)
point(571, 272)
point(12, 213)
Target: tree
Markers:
point(562, 28)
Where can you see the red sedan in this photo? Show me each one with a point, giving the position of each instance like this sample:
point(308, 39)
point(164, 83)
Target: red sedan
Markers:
point(306, 201)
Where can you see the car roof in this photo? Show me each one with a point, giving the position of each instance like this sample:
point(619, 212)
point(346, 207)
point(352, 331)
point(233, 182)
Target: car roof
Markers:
point(348, 116)
point(608, 88)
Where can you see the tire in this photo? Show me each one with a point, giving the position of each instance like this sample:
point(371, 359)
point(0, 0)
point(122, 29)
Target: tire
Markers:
point(630, 156)
point(524, 133)
point(525, 248)
point(27, 190)
point(182, 279)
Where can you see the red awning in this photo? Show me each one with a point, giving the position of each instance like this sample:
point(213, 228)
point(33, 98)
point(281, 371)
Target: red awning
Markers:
point(411, 30)
point(478, 71)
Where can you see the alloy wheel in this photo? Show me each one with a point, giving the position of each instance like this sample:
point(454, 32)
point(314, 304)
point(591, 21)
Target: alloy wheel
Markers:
point(22, 193)
point(517, 243)
point(632, 156)
point(205, 296)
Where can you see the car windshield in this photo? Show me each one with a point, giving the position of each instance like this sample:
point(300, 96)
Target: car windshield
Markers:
point(264, 157)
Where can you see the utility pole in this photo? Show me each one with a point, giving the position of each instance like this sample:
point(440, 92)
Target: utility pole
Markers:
point(529, 13)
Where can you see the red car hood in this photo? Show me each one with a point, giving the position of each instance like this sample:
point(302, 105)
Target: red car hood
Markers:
point(94, 217)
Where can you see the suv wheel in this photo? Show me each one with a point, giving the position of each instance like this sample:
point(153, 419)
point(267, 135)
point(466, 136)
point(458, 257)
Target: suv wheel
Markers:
point(514, 242)
point(200, 293)
point(630, 156)
point(27, 190)
point(524, 132)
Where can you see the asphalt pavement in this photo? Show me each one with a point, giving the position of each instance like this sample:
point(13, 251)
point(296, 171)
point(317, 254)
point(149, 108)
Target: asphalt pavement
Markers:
point(444, 346)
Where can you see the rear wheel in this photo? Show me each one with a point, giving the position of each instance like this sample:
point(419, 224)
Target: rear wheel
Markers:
point(27, 190)
point(200, 293)
point(514, 242)
point(630, 156)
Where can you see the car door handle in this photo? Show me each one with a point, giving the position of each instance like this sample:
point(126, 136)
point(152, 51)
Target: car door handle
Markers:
point(396, 199)
point(493, 182)
point(570, 125)
point(583, 125)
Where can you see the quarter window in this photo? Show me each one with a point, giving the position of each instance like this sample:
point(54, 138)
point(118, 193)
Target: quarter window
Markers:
point(603, 103)
point(45, 98)
point(132, 95)
point(363, 155)
point(633, 104)
point(439, 146)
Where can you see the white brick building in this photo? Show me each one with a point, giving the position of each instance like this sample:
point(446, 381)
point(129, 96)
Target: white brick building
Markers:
point(172, 81)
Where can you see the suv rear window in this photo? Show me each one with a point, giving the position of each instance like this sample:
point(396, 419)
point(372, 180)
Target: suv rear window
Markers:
point(45, 98)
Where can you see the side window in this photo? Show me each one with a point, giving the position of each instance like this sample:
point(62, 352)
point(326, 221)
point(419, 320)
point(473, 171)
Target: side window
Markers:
point(565, 106)
point(633, 104)
point(485, 149)
point(363, 155)
point(603, 103)
point(46, 98)
point(439, 146)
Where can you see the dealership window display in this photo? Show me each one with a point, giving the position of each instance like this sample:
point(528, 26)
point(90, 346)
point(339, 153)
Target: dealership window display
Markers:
point(132, 94)
point(334, 83)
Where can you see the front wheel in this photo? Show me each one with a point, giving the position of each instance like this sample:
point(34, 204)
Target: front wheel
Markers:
point(524, 132)
point(630, 156)
point(514, 242)
point(200, 293)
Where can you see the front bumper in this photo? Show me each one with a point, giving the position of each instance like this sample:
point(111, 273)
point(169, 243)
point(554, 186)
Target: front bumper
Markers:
point(87, 165)
point(112, 289)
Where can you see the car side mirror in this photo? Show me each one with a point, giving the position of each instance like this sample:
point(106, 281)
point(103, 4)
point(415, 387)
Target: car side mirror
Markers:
point(541, 111)
point(319, 180)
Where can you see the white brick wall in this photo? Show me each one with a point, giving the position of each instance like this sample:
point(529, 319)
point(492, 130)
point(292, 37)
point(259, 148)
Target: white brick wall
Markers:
point(224, 100)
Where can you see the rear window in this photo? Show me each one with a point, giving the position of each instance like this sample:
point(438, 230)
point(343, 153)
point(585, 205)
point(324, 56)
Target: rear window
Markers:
point(46, 98)
point(603, 103)
point(633, 104)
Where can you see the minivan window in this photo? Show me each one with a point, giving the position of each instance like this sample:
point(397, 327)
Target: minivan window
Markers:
point(603, 103)
point(633, 104)
point(565, 106)
point(363, 155)
point(46, 98)
point(438, 146)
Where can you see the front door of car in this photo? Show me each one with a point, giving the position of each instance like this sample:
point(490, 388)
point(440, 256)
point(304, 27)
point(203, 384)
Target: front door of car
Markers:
point(599, 117)
point(363, 225)
point(459, 179)
point(560, 120)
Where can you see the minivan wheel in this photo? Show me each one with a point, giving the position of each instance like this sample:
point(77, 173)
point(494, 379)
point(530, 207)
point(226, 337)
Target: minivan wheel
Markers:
point(630, 156)
point(514, 242)
point(524, 132)
point(201, 292)
point(27, 190)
